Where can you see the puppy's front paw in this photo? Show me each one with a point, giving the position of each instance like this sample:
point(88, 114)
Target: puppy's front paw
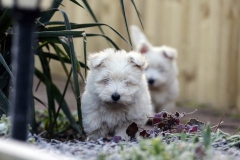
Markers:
point(122, 132)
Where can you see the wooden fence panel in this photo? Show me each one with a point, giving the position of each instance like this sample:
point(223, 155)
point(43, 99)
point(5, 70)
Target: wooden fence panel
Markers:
point(205, 32)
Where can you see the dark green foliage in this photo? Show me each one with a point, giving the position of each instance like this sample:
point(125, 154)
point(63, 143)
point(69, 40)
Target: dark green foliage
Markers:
point(56, 36)
point(125, 20)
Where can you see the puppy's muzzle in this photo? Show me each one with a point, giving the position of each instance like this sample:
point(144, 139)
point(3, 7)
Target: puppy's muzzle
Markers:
point(115, 97)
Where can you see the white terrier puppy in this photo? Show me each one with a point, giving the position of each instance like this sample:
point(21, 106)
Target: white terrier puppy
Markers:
point(116, 94)
point(161, 72)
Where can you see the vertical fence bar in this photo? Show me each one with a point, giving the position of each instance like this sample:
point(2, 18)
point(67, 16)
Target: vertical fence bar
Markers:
point(23, 70)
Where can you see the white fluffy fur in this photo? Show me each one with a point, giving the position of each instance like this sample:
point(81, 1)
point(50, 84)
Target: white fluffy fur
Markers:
point(115, 72)
point(162, 69)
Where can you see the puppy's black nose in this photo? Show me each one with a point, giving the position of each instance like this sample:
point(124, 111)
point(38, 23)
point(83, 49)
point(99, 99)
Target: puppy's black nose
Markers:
point(115, 96)
point(150, 81)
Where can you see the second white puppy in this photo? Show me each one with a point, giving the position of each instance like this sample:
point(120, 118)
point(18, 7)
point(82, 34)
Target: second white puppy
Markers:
point(161, 73)
point(116, 94)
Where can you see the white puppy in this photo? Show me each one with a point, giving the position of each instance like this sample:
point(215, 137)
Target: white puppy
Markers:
point(161, 72)
point(116, 94)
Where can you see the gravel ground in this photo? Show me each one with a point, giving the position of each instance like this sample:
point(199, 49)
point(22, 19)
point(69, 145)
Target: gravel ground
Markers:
point(92, 150)
point(89, 150)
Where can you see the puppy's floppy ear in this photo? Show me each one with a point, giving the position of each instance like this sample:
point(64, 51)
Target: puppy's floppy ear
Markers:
point(170, 53)
point(95, 60)
point(138, 60)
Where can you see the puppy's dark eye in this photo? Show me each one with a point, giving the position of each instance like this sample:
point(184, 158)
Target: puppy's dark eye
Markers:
point(132, 83)
point(105, 80)
point(161, 70)
point(127, 83)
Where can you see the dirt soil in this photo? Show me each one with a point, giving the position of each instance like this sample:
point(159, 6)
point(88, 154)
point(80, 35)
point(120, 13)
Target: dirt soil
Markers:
point(231, 122)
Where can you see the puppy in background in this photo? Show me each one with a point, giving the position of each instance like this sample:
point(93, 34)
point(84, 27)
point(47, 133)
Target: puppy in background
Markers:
point(116, 94)
point(161, 72)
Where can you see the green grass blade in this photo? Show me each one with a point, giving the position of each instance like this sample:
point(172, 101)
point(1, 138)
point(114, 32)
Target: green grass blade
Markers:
point(92, 14)
point(47, 78)
point(65, 60)
point(40, 101)
point(74, 1)
point(5, 21)
point(85, 53)
point(39, 24)
point(57, 33)
point(96, 35)
point(76, 68)
point(6, 66)
point(125, 20)
point(5, 104)
point(59, 53)
point(207, 136)
point(61, 101)
point(237, 130)
point(138, 14)
point(53, 23)
point(66, 46)
point(76, 34)
point(32, 115)
point(86, 25)
point(47, 15)
point(58, 97)
point(61, 40)
point(42, 45)
point(4, 79)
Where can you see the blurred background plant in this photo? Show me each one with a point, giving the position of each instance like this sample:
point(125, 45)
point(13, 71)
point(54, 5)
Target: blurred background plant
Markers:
point(54, 43)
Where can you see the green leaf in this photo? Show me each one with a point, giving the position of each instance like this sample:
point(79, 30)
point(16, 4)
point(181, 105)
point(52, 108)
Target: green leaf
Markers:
point(40, 101)
point(237, 130)
point(58, 97)
point(76, 34)
point(4, 79)
point(74, 1)
point(183, 137)
point(60, 53)
point(75, 67)
point(61, 101)
point(86, 25)
point(59, 40)
point(58, 33)
point(96, 35)
point(48, 81)
point(125, 20)
point(56, 23)
point(85, 54)
point(32, 115)
point(207, 136)
point(92, 14)
point(138, 14)
point(66, 46)
point(6, 66)
point(65, 60)
point(47, 15)
point(5, 104)
point(5, 21)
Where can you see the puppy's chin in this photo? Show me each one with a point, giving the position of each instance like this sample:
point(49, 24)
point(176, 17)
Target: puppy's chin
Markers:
point(118, 104)
point(158, 86)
